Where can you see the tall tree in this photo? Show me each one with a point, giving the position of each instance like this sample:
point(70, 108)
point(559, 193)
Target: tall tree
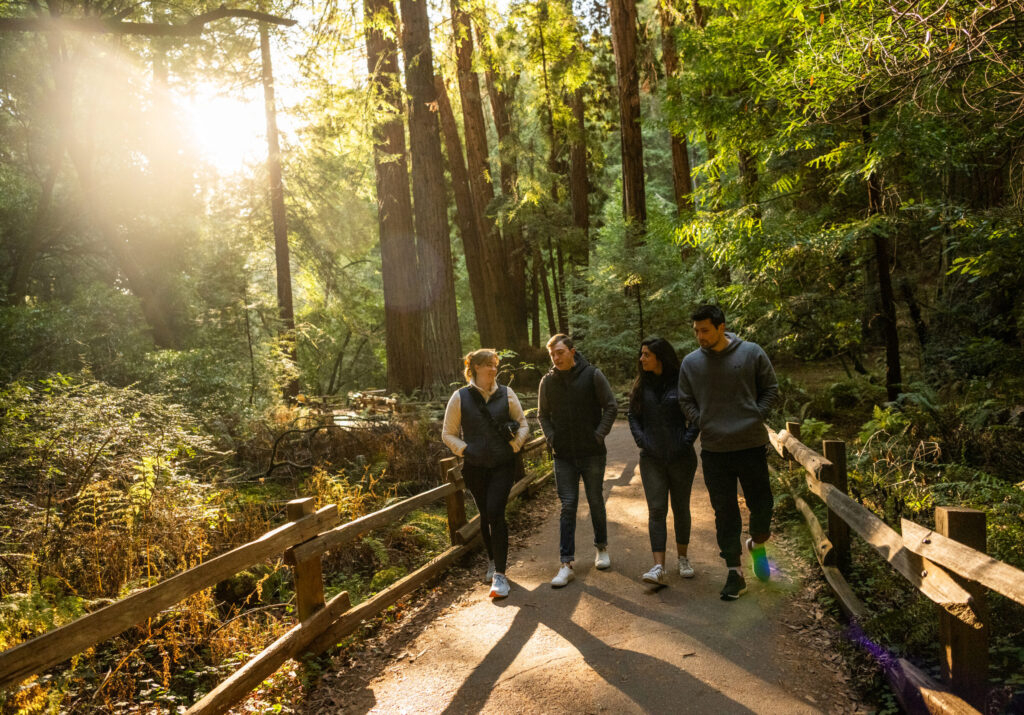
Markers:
point(491, 316)
point(579, 181)
point(501, 87)
point(277, 209)
point(879, 243)
point(466, 216)
point(399, 262)
point(634, 201)
point(442, 345)
point(682, 182)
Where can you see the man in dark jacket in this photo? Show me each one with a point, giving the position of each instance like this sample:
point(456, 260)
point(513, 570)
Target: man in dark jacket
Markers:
point(576, 408)
point(727, 387)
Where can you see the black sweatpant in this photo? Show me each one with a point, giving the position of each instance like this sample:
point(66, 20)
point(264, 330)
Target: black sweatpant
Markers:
point(722, 470)
point(490, 487)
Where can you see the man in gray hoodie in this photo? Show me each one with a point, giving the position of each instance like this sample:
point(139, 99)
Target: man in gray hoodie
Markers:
point(728, 386)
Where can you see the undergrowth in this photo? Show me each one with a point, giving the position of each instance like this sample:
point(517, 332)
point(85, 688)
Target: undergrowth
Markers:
point(930, 448)
point(106, 490)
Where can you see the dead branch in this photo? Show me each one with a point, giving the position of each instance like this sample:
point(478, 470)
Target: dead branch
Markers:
point(99, 25)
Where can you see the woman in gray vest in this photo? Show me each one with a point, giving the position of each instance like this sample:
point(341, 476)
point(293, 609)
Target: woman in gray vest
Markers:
point(667, 459)
point(485, 425)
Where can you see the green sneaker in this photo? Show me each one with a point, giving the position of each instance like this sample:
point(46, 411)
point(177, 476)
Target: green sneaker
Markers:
point(759, 560)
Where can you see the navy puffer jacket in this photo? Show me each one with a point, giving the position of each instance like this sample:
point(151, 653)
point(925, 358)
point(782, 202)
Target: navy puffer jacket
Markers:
point(657, 422)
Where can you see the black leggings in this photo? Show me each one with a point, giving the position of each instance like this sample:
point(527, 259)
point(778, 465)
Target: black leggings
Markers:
point(490, 487)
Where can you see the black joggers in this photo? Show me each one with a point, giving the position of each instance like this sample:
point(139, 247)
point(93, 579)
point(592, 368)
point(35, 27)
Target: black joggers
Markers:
point(722, 470)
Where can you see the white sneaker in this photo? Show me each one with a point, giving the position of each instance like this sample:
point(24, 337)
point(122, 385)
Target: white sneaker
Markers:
point(499, 586)
point(656, 575)
point(685, 570)
point(489, 576)
point(602, 560)
point(563, 577)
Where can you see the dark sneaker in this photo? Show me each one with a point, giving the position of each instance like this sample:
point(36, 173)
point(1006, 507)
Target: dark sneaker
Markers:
point(759, 559)
point(734, 586)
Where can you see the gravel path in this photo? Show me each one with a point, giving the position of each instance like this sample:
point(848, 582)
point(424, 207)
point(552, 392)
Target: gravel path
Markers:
point(607, 643)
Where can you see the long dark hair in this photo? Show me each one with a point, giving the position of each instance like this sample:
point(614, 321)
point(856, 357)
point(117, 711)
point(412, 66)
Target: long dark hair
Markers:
point(666, 355)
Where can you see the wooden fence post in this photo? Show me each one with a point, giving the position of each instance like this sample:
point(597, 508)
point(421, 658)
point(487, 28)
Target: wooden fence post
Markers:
point(309, 579)
point(456, 501)
point(834, 451)
point(965, 649)
point(794, 429)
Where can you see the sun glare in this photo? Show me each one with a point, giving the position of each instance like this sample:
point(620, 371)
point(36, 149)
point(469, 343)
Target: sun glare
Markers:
point(229, 132)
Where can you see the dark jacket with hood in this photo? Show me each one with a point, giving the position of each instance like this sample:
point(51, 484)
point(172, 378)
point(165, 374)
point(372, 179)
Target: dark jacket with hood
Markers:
point(576, 408)
point(657, 422)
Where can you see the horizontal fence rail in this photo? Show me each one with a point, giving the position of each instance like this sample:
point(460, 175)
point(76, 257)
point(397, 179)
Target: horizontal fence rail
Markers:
point(302, 541)
point(947, 564)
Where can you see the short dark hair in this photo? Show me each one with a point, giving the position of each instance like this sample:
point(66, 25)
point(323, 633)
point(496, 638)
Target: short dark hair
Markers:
point(560, 338)
point(709, 312)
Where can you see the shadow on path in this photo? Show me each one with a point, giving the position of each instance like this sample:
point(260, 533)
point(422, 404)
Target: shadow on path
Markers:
point(648, 681)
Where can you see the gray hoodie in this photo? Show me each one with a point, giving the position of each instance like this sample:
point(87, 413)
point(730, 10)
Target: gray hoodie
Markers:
point(729, 394)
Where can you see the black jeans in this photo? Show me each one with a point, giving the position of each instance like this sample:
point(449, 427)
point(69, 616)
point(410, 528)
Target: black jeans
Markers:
point(490, 487)
point(721, 472)
point(665, 480)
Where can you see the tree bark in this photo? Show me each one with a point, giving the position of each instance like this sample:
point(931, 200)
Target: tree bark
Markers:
point(277, 210)
point(501, 90)
point(538, 262)
point(494, 331)
point(682, 181)
point(748, 179)
point(534, 306)
point(466, 216)
point(887, 316)
point(634, 203)
point(579, 181)
point(442, 346)
point(399, 262)
point(112, 26)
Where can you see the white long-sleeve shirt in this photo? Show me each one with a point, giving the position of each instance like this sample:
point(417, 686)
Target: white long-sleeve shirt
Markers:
point(451, 430)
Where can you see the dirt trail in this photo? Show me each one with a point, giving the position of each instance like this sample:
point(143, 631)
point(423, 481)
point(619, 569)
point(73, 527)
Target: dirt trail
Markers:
point(605, 643)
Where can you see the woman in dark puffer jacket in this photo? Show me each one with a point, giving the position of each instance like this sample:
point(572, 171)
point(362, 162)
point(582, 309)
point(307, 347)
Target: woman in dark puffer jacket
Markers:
point(667, 458)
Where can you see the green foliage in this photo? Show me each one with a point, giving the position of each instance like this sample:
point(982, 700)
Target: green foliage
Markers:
point(98, 328)
point(652, 277)
point(812, 431)
point(84, 465)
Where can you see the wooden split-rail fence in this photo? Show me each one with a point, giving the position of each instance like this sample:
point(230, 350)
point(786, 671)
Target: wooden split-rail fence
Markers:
point(948, 564)
point(303, 540)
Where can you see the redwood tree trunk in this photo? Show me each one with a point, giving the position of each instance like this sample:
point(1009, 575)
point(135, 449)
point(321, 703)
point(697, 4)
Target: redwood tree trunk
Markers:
point(500, 89)
point(399, 263)
point(491, 315)
point(634, 206)
point(538, 262)
point(442, 346)
point(579, 182)
point(466, 215)
point(682, 182)
point(277, 210)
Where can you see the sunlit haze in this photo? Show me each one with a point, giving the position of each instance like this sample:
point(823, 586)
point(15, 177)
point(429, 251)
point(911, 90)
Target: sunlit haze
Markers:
point(230, 132)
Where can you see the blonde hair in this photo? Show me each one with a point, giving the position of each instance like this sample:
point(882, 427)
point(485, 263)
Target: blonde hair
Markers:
point(477, 358)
